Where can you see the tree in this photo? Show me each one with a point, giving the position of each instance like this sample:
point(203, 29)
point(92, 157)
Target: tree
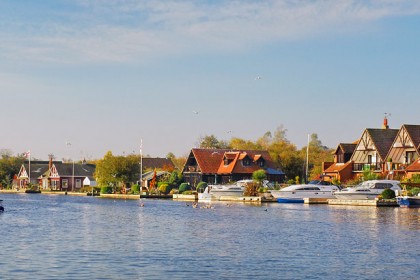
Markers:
point(259, 176)
point(117, 170)
point(241, 144)
point(9, 166)
point(318, 153)
point(210, 141)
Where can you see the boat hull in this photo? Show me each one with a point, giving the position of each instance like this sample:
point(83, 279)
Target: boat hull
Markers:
point(289, 200)
point(408, 202)
point(350, 196)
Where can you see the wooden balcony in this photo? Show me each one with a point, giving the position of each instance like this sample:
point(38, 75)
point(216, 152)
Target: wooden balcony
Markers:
point(359, 167)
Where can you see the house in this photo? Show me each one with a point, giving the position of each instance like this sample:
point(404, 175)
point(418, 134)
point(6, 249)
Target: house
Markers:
point(54, 175)
point(30, 173)
point(68, 176)
point(372, 149)
point(405, 148)
point(224, 166)
point(342, 167)
point(385, 151)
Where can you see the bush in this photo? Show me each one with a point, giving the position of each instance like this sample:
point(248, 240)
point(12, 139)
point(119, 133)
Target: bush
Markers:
point(201, 186)
point(106, 190)
point(415, 191)
point(135, 189)
point(184, 187)
point(388, 194)
point(164, 188)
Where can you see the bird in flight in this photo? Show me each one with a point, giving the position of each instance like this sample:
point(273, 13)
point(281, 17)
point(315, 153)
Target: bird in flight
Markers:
point(258, 78)
point(195, 112)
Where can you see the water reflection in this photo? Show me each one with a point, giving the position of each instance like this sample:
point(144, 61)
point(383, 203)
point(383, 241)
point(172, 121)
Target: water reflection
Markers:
point(50, 237)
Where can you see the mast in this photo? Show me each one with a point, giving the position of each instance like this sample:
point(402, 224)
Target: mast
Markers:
point(141, 165)
point(307, 160)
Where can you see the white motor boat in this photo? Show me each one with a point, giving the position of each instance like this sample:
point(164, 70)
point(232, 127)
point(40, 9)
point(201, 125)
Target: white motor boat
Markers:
point(297, 193)
point(217, 191)
point(368, 189)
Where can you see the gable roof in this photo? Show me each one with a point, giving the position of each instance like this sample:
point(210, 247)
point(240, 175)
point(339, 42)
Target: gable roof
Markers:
point(346, 148)
point(80, 170)
point(211, 161)
point(38, 168)
point(414, 133)
point(382, 139)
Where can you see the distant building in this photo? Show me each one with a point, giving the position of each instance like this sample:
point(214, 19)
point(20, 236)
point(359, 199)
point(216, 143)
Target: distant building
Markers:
point(55, 175)
point(220, 166)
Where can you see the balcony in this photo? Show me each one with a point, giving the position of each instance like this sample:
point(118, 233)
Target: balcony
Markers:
point(367, 166)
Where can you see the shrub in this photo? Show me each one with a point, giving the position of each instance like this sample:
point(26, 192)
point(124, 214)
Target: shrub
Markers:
point(201, 186)
point(106, 189)
point(184, 187)
point(250, 189)
point(388, 194)
point(165, 188)
point(135, 189)
point(415, 191)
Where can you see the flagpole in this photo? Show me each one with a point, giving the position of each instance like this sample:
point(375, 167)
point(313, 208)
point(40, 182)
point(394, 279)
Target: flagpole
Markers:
point(141, 165)
point(29, 175)
point(307, 160)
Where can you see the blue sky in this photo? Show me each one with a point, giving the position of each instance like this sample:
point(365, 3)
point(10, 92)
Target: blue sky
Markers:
point(105, 74)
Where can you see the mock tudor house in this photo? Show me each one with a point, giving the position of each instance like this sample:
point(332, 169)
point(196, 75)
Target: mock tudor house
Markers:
point(389, 152)
point(221, 166)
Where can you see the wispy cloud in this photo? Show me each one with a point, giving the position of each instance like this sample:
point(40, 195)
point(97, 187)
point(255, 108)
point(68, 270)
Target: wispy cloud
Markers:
point(126, 31)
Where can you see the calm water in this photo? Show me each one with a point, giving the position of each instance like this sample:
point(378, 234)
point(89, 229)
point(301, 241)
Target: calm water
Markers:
point(64, 237)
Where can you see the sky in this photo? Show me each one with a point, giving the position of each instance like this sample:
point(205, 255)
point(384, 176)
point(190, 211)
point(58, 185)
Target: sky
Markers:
point(79, 78)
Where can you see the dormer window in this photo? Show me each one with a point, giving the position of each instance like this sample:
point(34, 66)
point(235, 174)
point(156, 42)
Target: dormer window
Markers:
point(261, 162)
point(246, 161)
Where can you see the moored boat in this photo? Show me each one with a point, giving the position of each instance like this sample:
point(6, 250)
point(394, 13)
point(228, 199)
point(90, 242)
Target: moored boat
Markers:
point(234, 190)
point(368, 190)
point(297, 193)
point(408, 201)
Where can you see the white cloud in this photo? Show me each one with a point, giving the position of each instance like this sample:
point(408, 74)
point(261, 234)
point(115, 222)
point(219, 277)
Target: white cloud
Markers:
point(120, 31)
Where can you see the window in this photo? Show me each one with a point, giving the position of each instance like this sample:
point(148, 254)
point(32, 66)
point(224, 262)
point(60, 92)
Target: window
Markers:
point(78, 183)
point(370, 159)
point(261, 162)
point(409, 157)
point(65, 183)
point(246, 162)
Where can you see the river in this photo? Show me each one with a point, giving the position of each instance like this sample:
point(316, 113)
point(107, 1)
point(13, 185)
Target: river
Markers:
point(66, 237)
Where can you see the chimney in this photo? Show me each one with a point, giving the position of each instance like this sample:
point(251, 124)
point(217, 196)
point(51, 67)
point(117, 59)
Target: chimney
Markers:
point(50, 156)
point(385, 124)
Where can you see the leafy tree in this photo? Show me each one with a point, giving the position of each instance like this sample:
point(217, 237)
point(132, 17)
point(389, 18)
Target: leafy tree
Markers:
point(9, 166)
point(259, 176)
point(117, 170)
point(210, 141)
point(241, 144)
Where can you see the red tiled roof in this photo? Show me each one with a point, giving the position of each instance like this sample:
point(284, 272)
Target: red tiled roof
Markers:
point(414, 167)
point(337, 167)
point(210, 161)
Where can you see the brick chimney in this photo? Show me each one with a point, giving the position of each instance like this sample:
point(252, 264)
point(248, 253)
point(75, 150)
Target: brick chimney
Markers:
point(50, 156)
point(385, 124)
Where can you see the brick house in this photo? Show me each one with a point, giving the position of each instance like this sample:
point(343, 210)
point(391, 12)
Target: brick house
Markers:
point(221, 166)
